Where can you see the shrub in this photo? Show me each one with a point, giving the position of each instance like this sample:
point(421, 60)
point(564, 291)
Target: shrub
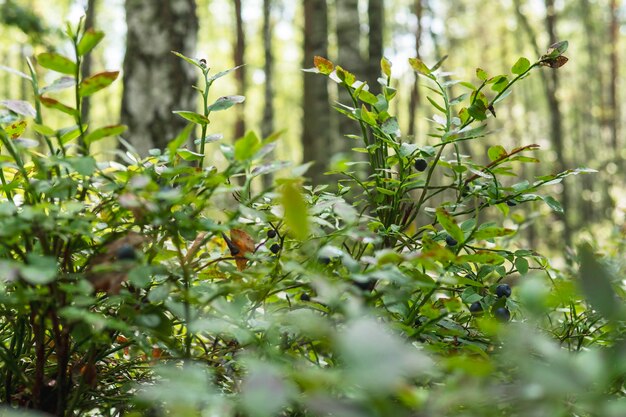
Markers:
point(130, 290)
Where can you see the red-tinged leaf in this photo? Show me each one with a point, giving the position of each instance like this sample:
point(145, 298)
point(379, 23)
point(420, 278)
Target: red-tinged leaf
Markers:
point(323, 65)
point(20, 107)
point(105, 131)
point(556, 62)
point(55, 104)
point(90, 39)
point(16, 129)
point(56, 62)
point(240, 244)
point(97, 82)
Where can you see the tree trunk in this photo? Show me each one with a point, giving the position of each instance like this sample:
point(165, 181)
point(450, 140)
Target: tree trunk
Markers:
point(348, 29)
point(267, 125)
point(240, 74)
point(614, 110)
point(556, 124)
point(90, 14)
point(415, 93)
point(156, 82)
point(315, 130)
point(376, 21)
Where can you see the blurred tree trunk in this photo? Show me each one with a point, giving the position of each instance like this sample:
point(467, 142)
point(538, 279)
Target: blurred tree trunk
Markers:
point(348, 29)
point(267, 125)
point(376, 21)
point(415, 93)
point(316, 124)
point(90, 15)
point(156, 82)
point(556, 121)
point(614, 109)
point(240, 74)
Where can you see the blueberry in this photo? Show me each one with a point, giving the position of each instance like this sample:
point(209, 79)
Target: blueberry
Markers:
point(450, 241)
point(421, 164)
point(305, 297)
point(511, 203)
point(502, 314)
point(275, 248)
point(271, 233)
point(475, 307)
point(324, 260)
point(365, 285)
point(503, 290)
point(126, 253)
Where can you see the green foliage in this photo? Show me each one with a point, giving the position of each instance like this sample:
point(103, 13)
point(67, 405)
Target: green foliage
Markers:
point(166, 286)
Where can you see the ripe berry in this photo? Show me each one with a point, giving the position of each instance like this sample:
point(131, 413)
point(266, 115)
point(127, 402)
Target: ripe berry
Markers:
point(275, 248)
point(503, 290)
point(305, 297)
point(365, 285)
point(502, 314)
point(450, 241)
point(271, 233)
point(421, 164)
point(475, 307)
point(126, 253)
point(324, 260)
point(511, 203)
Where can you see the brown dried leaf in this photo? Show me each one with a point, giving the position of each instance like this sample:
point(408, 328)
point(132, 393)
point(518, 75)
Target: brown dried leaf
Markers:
point(244, 243)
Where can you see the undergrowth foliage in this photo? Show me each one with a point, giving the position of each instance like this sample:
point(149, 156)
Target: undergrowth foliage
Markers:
point(164, 285)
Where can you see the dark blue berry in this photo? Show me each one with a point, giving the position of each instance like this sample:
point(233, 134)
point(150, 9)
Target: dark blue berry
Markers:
point(305, 297)
point(324, 260)
point(275, 248)
point(126, 253)
point(475, 307)
point(421, 164)
point(450, 241)
point(502, 314)
point(511, 203)
point(271, 233)
point(503, 290)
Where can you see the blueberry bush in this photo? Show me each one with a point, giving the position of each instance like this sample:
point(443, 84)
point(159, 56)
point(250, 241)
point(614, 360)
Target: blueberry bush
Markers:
point(167, 285)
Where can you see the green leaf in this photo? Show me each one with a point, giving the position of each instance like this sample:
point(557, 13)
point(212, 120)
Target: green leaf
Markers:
point(56, 62)
point(595, 281)
point(180, 139)
point(90, 39)
point(295, 210)
point(97, 82)
point(103, 132)
point(345, 76)
point(552, 203)
point(15, 130)
point(43, 129)
point(85, 165)
point(496, 152)
point(419, 66)
point(522, 265)
point(57, 105)
point(223, 73)
point(385, 66)
point(556, 49)
point(449, 224)
point(188, 155)
point(492, 232)
point(391, 127)
point(482, 74)
point(39, 270)
point(323, 65)
point(225, 102)
point(189, 60)
point(192, 117)
point(500, 82)
point(247, 146)
point(367, 97)
point(520, 66)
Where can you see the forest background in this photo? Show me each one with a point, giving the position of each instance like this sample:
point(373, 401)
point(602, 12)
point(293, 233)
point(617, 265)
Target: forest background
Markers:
point(575, 114)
